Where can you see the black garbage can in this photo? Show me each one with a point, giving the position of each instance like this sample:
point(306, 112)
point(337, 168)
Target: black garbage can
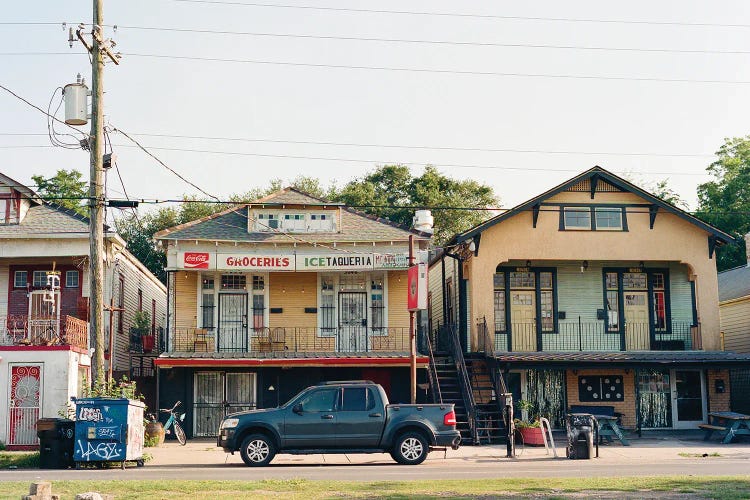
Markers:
point(583, 435)
point(56, 437)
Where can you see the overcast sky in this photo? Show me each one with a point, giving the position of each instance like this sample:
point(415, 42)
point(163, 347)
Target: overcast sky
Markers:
point(498, 103)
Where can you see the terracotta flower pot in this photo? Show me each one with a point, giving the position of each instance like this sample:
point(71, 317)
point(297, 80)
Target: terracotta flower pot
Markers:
point(155, 429)
point(532, 436)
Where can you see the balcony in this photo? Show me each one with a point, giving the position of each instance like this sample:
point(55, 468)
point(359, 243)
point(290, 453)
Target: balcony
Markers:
point(266, 341)
point(19, 330)
point(592, 336)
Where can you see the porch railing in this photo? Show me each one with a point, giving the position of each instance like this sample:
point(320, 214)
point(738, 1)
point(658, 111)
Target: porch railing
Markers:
point(16, 329)
point(593, 336)
point(290, 339)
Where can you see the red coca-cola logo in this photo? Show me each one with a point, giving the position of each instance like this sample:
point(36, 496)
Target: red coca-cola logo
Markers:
point(196, 260)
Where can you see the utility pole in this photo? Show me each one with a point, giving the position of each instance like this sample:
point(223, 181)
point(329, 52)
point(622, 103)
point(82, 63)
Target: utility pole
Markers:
point(98, 48)
point(96, 196)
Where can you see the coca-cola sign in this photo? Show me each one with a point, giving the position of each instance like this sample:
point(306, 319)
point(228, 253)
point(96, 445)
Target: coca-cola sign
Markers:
point(196, 260)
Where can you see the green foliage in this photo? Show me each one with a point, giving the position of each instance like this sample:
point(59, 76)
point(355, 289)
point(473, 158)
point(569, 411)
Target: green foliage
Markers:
point(531, 411)
point(65, 189)
point(142, 321)
point(123, 388)
point(150, 441)
point(19, 460)
point(391, 185)
point(724, 201)
point(2, 445)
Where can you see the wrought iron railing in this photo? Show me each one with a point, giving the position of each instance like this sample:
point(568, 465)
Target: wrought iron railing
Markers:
point(290, 339)
point(432, 376)
point(593, 336)
point(16, 329)
point(463, 380)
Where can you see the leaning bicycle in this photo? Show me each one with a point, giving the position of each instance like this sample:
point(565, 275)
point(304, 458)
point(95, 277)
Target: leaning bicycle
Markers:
point(174, 421)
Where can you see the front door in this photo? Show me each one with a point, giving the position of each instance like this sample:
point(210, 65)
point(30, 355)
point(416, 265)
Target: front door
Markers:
point(232, 322)
point(637, 334)
point(217, 394)
point(688, 399)
point(25, 402)
point(353, 322)
point(523, 320)
point(314, 424)
point(44, 316)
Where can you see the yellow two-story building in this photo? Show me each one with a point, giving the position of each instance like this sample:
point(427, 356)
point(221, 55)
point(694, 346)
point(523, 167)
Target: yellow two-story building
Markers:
point(270, 297)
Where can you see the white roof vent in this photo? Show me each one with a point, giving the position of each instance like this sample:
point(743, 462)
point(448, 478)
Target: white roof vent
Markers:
point(423, 221)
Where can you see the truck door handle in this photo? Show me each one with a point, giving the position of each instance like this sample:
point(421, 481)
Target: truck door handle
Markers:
point(376, 414)
point(327, 417)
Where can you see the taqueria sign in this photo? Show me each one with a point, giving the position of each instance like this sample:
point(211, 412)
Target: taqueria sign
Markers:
point(340, 261)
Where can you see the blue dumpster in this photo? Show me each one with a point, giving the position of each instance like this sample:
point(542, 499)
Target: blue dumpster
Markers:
point(108, 430)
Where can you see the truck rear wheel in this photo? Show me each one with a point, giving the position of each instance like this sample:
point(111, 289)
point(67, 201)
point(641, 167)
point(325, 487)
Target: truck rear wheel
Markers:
point(410, 448)
point(257, 450)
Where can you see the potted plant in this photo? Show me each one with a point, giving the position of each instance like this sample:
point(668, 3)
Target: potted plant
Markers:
point(530, 429)
point(142, 330)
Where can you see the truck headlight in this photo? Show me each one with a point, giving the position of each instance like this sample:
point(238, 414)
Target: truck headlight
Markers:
point(230, 423)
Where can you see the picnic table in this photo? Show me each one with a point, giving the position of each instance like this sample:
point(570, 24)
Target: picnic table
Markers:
point(608, 428)
point(730, 422)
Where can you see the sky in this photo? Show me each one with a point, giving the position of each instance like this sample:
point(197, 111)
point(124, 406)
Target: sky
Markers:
point(521, 96)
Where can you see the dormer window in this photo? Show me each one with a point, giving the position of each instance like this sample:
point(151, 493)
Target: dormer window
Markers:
point(293, 222)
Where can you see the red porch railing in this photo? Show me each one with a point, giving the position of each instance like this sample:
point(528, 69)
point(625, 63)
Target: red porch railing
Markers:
point(15, 329)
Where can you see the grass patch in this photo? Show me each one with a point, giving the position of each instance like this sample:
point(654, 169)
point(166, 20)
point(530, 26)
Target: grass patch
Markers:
point(19, 459)
point(699, 455)
point(723, 488)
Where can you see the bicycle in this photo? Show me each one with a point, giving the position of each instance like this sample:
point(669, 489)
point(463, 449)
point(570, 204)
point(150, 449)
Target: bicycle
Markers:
point(175, 419)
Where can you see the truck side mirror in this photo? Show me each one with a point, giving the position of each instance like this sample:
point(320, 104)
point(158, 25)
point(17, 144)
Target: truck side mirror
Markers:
point(297, 409)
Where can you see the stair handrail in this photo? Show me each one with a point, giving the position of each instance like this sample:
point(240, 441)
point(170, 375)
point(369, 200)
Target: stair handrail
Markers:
point(487, 346)
point(463, 379)
point(437, 395)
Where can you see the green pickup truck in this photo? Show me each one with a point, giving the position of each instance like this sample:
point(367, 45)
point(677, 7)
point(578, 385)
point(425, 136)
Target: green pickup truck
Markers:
point(340, 417)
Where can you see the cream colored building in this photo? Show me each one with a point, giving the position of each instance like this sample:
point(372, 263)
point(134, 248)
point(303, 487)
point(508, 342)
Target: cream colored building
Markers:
point(273, 296)
point(594, 293)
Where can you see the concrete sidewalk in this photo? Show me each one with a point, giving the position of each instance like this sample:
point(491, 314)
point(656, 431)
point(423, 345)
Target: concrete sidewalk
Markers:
point(648, 449)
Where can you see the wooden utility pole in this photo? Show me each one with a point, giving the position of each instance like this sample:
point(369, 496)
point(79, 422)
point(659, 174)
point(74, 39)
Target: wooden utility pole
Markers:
point(412, 336)
point(96, 195)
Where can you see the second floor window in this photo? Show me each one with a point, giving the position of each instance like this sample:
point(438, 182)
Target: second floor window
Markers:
point(20, 279)
point(71, 279)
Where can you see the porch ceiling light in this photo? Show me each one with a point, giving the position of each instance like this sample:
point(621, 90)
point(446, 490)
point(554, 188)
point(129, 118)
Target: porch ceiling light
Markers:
point(584, 265)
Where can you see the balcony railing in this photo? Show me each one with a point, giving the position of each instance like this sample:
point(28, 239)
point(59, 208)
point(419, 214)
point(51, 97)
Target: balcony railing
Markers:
point(592, 336)
point(17, 329)
point(290, 339)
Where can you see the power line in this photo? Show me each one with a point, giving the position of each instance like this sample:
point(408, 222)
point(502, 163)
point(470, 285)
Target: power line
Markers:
point(429, 42)
point(464, 15)
point(142, 148)
point(415, 70)
point(432, 71)
point(398, 146)
point(381, 162)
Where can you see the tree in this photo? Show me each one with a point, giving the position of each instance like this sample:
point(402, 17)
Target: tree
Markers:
point(457, 204)
point(138, 231)
point(65, 189)
point(662, 190)
point(724, 201)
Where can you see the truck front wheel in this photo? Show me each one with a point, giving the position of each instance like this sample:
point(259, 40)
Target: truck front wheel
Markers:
point(410, 448)
point(257, 450)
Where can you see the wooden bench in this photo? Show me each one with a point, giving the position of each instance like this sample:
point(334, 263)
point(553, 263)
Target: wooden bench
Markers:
point(710, 429)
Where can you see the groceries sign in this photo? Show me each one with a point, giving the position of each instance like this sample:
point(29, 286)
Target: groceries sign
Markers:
point(292, 262)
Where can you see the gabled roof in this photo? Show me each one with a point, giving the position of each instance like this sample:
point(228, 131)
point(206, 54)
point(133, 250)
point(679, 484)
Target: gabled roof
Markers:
point(28, 193)
point(734, 283)
point(594, 175)
point(293, 196)
point(232, 224)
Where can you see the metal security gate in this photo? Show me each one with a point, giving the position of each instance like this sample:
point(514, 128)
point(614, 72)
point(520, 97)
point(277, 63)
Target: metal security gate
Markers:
point(25, 403)
point(232, 322)
point(352, 322)
point(217, 394)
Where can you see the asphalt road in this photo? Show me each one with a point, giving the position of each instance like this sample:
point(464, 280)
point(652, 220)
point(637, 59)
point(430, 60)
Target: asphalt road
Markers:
point(386, 470)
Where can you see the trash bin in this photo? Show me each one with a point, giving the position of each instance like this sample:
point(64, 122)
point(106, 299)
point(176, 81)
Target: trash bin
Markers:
point(108, 430)
point(583, 435)
point(55, 442)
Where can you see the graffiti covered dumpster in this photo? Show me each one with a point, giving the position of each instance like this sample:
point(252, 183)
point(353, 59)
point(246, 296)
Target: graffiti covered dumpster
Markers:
point(108, 430)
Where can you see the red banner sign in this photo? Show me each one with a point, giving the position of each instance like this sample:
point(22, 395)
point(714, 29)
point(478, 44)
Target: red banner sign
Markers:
point(196, 260)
